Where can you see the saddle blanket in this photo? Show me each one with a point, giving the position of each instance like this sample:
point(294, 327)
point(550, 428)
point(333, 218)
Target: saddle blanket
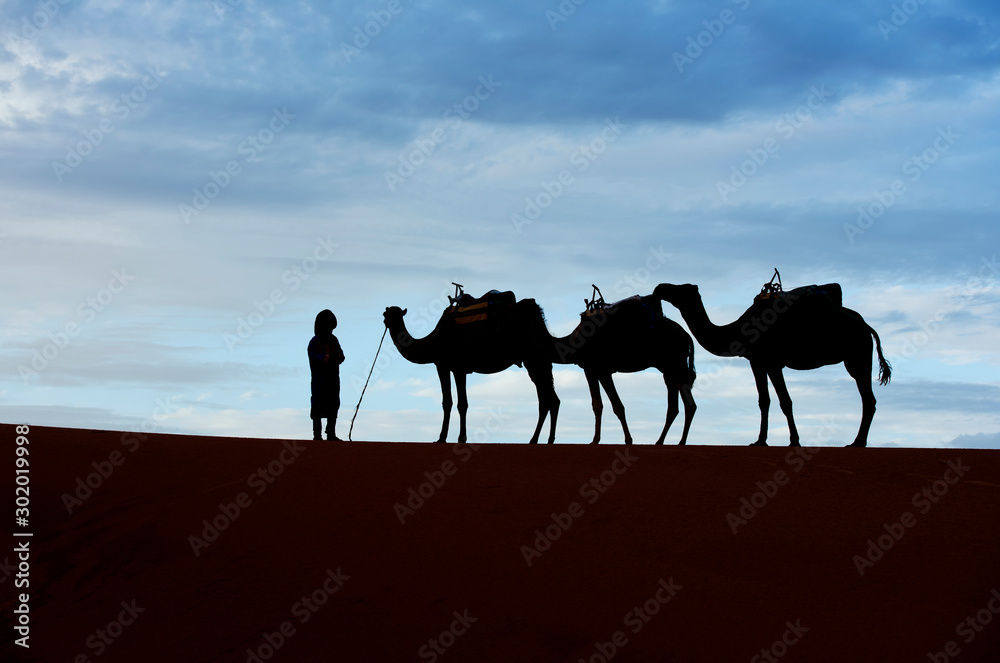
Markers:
point(647, 308)
point(469, 309)
point(831, 291)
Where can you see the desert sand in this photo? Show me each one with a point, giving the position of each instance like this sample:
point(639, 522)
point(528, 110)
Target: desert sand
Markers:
point(186, 548)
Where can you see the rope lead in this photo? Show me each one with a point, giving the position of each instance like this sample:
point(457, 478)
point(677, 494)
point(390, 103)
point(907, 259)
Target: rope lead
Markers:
point(349, 432)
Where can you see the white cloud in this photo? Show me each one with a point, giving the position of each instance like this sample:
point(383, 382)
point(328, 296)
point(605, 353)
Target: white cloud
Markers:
point(653, 187)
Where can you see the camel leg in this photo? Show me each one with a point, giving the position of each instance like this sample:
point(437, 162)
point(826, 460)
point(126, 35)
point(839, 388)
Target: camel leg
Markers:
point(445, 376)
point(608, 382)
point(554, 409)
point(785, 401)
point(598, 404)
point(763, 400)
point(867, 405)
point(463, 404)
point(689, 410)
point(548, 401)
point(672, 408)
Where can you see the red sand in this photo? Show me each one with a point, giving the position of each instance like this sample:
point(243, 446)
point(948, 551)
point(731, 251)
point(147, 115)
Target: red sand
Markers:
point(394, 590)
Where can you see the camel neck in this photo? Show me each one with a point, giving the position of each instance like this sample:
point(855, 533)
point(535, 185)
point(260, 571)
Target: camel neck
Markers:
point(721, 341)
point(563, 349)
point(415, 350)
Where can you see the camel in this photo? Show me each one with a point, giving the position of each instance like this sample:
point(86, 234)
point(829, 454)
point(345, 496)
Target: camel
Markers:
point(628, 337)
point(801, 329)
point(514, 333)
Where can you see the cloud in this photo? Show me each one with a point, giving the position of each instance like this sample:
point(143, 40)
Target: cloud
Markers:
point(820, 110)
point(976, 441)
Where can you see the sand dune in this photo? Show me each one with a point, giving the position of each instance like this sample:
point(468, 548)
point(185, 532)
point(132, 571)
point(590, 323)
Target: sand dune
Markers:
point(221, 549)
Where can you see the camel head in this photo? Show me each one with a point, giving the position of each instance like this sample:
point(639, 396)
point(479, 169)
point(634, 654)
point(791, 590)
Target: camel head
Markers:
point(393, 316)
point(678, 295)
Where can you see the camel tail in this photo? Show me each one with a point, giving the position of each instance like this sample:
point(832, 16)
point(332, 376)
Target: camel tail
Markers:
point(884, 369)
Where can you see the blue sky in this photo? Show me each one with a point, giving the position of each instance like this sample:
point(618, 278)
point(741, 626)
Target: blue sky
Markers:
point(187, 184)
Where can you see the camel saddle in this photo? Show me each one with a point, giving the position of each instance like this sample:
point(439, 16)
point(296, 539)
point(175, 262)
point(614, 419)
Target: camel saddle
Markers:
point(772, 292)
point(467, 309)
point(648, 309)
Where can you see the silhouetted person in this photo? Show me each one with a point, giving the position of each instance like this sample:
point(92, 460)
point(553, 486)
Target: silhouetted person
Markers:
point(325, 358)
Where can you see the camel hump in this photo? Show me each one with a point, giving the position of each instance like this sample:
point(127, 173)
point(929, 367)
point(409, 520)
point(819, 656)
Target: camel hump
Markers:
point(654, 304)
point(505, 297)
point(649, 306)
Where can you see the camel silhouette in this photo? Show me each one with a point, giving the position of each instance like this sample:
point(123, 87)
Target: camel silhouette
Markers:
point(511, 333)
point(628, 337)
point(802, 329)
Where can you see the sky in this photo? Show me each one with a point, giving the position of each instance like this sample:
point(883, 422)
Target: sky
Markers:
point(186, 184)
